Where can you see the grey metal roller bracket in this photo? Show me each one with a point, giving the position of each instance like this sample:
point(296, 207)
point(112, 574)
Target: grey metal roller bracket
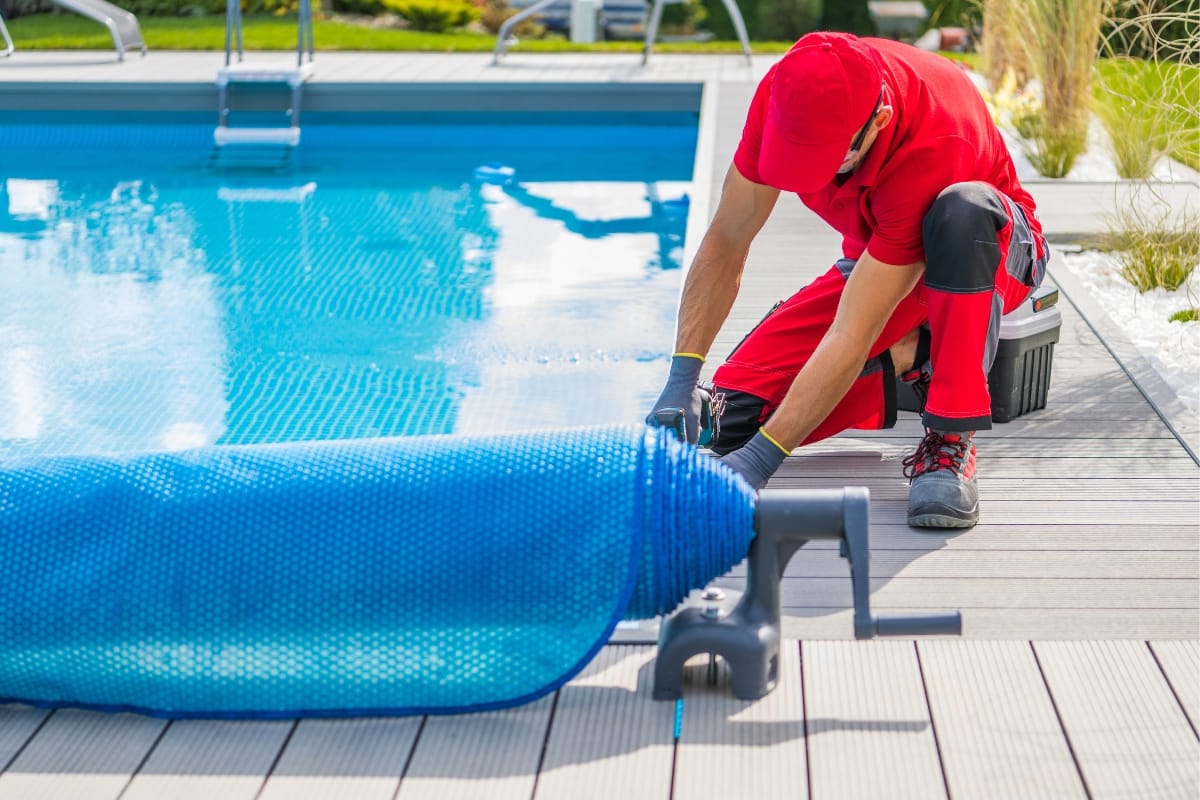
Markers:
point(748, 637)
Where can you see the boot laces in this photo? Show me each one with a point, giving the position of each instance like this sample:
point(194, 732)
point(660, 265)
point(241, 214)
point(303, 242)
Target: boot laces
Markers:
point(938, 451)
point(918, 379)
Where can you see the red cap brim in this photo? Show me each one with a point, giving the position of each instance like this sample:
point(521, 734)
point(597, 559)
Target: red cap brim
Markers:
point(795, 166)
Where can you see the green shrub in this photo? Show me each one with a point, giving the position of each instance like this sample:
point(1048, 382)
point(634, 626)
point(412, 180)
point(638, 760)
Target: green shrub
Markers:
point(851, 16)
point(172, 8)
point(190, 8)
point(684, 17)
point(366, 8)
point(1186, 315)
point(785, 20)
point(434, 16)
point(25, 8)
point(276, 7)
point(495, 13)
point(954, 13)
point(718, 22)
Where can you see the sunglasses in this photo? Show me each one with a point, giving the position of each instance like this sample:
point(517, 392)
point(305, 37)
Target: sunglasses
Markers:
point(862, 133)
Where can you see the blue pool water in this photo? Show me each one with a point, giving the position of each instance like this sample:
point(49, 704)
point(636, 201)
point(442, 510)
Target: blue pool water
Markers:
point(398, 277)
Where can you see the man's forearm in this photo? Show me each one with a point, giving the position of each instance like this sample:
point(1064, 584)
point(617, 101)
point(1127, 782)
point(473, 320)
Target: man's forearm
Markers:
point(816, 390)
point(708, 294)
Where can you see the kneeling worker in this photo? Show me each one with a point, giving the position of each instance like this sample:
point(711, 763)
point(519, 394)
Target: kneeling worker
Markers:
point(895, 149)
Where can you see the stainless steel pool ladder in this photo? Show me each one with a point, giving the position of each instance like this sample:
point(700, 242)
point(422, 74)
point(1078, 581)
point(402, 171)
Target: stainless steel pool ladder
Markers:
point(292, 78)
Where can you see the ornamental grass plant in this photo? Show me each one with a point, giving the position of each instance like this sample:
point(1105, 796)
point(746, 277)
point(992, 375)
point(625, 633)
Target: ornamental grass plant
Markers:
point(1156, 246)
point(1061, 39)
point(1150, 105)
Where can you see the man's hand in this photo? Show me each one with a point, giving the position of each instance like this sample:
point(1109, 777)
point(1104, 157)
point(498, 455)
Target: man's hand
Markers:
point(756, 460)
point(682, 395)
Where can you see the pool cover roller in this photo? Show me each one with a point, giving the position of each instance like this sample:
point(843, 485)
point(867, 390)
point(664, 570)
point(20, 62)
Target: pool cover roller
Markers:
point(389, 576)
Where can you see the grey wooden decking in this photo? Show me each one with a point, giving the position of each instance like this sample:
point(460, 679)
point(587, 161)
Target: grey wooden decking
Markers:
point(1078, 674)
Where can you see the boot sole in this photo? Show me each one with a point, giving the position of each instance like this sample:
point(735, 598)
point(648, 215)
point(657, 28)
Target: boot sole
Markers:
point(943, 519)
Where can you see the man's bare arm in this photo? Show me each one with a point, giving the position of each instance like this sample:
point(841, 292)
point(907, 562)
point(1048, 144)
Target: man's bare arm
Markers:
point(872, 293)
point(716, 272)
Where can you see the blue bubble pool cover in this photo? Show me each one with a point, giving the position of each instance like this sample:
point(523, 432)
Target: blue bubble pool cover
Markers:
point(389, 576)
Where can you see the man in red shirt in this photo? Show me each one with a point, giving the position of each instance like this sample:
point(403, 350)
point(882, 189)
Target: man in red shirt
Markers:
point(895, 149)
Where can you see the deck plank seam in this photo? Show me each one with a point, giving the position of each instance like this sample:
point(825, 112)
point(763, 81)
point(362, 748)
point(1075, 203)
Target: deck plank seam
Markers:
point(804, 724)
point(1174, 691)
point(933, 727)
point(537, 775)
point(141, 764)
point(275, 761)
point(1062, 725)
point(412, 752)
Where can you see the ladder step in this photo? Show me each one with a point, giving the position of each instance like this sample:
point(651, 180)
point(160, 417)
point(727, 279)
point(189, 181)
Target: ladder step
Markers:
point(290, 194)
point(225, 135)
point(247, 73)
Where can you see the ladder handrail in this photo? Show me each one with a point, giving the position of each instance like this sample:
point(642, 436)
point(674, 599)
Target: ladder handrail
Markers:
point(501, 47)
point(304, 31)
point(8, 43)
point(655, 16)
point(735, 16)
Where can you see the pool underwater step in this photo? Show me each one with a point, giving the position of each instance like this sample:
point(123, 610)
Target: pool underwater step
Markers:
point(225, 135)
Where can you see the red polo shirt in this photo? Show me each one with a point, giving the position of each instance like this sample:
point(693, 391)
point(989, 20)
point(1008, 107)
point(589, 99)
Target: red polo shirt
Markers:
point(941, 134)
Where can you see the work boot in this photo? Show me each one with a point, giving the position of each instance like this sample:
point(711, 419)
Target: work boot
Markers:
point(942, 492)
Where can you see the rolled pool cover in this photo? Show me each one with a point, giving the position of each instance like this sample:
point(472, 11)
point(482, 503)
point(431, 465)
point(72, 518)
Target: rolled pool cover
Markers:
point(389, 576)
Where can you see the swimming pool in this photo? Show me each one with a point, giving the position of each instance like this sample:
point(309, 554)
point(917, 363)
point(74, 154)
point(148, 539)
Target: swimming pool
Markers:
point(397, 275)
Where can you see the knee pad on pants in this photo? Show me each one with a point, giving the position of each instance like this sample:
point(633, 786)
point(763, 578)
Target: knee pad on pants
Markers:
point(960, 236)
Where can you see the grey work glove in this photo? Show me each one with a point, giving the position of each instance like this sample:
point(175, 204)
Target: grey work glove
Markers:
point(683, 405)
point(756, 460)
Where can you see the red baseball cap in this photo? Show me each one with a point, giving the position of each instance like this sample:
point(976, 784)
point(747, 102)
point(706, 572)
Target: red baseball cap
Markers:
point(823, 92)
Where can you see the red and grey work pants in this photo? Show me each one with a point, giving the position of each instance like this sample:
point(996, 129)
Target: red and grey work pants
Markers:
point(982, 260)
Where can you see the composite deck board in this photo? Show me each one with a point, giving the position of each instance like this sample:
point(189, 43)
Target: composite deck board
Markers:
point(1054, 534)
point(1030, 593)
point(741, 748)
point(1125, 726)
point(609, 738)
point(1011, 623)
point(80, 754)
point(492, 754)
point(1012, 447)
point(350, 758)
point(1050, 491)
point(1180, 663)
point(1016, 564)
point(17, 724)
point(869, 730)
point(1036, 427)
point(1163, 513)
point(861, 468)
point(205, 759)
point(999, 735)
